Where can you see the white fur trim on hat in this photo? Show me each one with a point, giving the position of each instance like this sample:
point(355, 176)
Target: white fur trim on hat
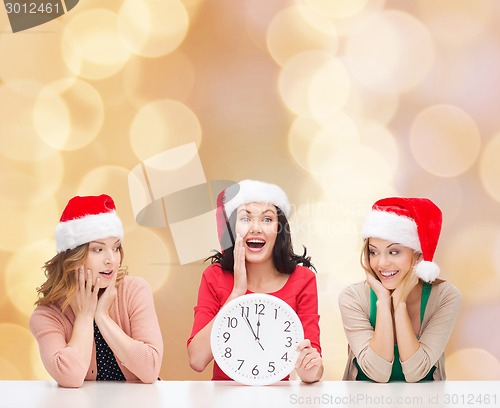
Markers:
point(252, 191)
point(391, 227)
point(73, 233)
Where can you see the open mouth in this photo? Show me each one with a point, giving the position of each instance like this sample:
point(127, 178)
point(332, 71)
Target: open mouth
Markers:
point(106, 274)
point(255, 244)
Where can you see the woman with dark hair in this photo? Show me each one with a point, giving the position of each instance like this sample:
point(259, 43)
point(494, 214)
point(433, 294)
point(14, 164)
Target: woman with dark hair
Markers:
point(257, 257)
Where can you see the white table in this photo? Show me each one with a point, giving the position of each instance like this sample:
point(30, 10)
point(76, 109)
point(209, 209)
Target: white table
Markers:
point(205, 394)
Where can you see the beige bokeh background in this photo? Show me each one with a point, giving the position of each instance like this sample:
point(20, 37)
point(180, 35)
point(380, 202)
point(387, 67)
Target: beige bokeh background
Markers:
point(340, 102)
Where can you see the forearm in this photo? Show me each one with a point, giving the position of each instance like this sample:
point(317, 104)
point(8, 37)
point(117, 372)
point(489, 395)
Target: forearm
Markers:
point(382, 341)
point(199, 350)
point(82, 338)
point(408, 343)
point(115, 337)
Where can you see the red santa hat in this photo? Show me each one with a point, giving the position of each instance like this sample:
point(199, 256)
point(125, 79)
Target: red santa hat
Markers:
point(86, 219)
point(246, 191)
point(412, 222)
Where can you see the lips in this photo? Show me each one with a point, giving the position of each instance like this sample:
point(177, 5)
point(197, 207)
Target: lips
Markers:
point(255, 244)
point(106, 274)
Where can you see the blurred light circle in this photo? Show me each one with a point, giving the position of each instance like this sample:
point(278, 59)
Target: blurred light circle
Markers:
point(91, 45)
point(444, 140)
point(457, 23)
point(469, 251)
point(357, 172)
point(148, 256)
point(338, 133)
point(296, 77)
point(142, 78)
point(472, 364)
point(18, 139)
point(68, 114)
point(403, 46)
point(25, 223)
point(374, 96)
point(299, 29)
point(300, 134)
point(8, 371)
point(153, 29)
point(329, 90)
point(311, 142)
point(16, 341)
point(28, 184)
point(377, 137)
point(23, 273)
point(338, 8)
point(490, 167)
point(348, 25)
point(165, 124)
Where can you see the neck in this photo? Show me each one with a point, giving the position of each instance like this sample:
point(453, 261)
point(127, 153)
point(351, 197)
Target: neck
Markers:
point(260, 275)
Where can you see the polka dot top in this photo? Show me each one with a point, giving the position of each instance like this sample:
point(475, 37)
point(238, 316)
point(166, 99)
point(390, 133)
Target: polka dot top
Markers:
point(107, 367)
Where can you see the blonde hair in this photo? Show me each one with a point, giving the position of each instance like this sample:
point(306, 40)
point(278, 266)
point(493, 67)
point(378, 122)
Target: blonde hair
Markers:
point(60, 287)
point(365, 263)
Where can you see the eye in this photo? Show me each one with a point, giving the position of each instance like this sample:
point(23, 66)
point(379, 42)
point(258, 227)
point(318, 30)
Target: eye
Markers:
point(117, 249)
point(244, 219)
point(96, 249)
point(268, 219)
point(372, 252)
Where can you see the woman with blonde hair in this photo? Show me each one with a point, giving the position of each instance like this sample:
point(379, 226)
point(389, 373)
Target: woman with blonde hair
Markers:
point(92, 320)
point(400, 319)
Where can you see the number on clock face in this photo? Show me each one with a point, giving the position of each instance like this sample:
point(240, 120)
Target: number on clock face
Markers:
point(254, 339)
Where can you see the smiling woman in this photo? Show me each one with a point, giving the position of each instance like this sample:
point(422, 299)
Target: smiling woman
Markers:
point(399, 320)
point(257, 257)
point(88, 305)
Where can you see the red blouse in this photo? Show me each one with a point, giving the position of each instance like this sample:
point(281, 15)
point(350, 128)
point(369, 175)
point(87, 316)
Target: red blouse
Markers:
point(300, 292)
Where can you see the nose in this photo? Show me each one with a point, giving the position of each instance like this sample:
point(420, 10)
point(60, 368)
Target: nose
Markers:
point(255, 226)
point(384, 260)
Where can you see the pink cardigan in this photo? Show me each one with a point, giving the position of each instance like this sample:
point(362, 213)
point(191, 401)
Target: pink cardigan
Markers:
point(133, 310)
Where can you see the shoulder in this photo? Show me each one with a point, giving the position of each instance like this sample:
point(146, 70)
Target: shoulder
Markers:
point(447, 291)
point(42, 315)
point(354, 292)
point(215, 273)
point(303, 272)
point(131, 285)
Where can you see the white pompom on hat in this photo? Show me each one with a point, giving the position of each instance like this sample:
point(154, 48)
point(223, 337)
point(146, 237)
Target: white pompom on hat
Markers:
point(412, 222)
point(86, 219)
point(247, 191)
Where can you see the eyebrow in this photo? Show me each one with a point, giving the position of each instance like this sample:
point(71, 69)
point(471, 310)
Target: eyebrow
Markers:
point(263, 212)
point(388, 246)
point(103, 243)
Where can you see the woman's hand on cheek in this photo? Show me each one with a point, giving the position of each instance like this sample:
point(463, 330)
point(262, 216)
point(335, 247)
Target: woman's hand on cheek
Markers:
point(379, 289)
point(84, 302)
point(240, 271)
point(107, 298)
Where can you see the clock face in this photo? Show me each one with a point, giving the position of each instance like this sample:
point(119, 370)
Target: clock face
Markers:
point(254, 339)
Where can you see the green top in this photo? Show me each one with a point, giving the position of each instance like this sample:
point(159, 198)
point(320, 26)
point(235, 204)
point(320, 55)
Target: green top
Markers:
point(397, 370)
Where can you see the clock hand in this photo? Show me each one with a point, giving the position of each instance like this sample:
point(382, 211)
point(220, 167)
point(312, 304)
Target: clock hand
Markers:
point(253, 332)
point(258, 330)
point(250, 325)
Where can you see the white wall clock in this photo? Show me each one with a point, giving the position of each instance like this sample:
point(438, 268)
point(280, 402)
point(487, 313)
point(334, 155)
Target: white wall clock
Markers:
point(254, 339)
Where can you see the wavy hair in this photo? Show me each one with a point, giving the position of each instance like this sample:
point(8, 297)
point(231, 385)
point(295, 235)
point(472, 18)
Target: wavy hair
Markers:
point(60, 286)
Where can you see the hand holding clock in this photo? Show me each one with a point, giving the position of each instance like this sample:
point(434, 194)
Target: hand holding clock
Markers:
point(309, 365)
